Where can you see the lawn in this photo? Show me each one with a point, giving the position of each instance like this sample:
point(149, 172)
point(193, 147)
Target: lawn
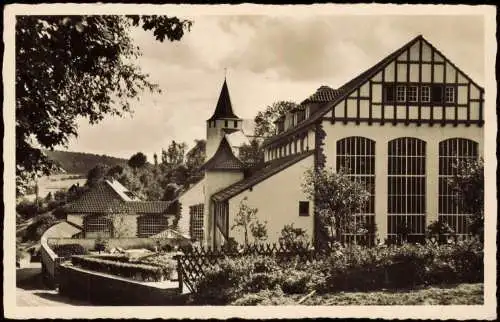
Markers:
point(461, 294)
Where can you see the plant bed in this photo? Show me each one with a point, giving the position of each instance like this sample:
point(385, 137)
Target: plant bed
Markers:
point(135, 271)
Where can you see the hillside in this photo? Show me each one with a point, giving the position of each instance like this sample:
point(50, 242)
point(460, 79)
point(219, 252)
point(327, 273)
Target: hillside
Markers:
point(81, 163)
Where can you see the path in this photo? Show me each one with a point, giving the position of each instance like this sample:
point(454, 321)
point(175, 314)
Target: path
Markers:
point(30, 290)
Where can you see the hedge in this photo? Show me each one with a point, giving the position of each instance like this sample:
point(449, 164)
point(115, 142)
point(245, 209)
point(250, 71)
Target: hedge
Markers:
point(68, 250)
point(138, 271)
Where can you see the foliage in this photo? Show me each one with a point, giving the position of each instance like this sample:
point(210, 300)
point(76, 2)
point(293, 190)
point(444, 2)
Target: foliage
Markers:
point(39, 226)
point(259, 230)
point(244, 278)
point(138, 160)
point(81, 163)
point(336, 197)
point(251, 154)
point(439, 231)
point(468, 183)
point(195, 157)
point(293, 236)
point(100, 244)
point(264, 120)
point(68, 250)
point(244, 218)
point(96, 175)
point(72, 67)
point(143, 272)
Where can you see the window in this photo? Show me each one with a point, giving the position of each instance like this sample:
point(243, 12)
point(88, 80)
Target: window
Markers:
point(449, 94)
point(356, 155)
point(301, 115)
point(451, 209)
point(149, 225)
point(97, 225)
point(437, 94)
point(406, 189)
point(304, 208)
point(226, 123)
point(425, 94)
point(412, 94)
point(401, 93)
point(196, 222)
point(235, 124)
point(389, 93)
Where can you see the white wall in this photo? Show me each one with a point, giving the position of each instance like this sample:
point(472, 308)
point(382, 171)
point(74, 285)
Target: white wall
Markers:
point(191, 197)
point(382, 135)
point(277, 199)
point(215, 181)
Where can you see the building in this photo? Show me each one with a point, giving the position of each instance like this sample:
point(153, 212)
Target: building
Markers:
point(398, 127)
point(110, 210)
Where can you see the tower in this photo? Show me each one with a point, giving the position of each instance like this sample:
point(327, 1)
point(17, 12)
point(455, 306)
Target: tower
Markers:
point(222, 121)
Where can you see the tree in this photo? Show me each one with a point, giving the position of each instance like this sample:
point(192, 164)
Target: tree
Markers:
point(138, 160)
point(264, 121)
point(71, 67)
point(244, 218)
point(337, 198)
point(194, 160)
point(467, 183)
point(251, 154)
point(96, 174)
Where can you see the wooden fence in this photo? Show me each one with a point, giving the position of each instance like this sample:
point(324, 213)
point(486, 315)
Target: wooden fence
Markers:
point(194, 262)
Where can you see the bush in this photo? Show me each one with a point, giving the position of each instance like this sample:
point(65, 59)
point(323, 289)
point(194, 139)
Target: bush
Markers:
point(68, 250)
point(100, 244)
point(145, 272)
point(350, 268)
point(35, 231)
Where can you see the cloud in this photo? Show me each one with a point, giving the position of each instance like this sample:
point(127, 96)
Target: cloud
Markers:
point(269, 58)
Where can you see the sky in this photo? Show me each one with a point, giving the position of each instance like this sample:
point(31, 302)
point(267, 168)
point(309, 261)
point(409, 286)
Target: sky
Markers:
point(268, 59)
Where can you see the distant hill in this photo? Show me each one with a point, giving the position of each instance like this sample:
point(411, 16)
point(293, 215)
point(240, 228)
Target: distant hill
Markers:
point(81, 163)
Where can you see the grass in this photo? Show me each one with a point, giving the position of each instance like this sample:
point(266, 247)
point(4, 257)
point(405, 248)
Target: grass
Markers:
point(461, 294)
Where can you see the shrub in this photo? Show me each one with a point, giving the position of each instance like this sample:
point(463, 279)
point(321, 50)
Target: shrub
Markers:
point(123, 269)
point(296, 282)
point(68, 250)
point(100, 244)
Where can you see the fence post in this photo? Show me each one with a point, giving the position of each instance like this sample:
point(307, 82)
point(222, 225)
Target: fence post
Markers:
point(179, 273)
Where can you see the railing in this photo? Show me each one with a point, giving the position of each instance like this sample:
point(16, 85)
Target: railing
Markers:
point(50, 262)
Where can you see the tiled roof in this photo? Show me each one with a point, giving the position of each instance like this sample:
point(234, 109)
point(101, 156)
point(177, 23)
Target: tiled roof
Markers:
point(259, 175)
point(344, 91)
point(223, 159)
point(322, 95)
point(224, 109)
point(103, 198)
point(148, 207)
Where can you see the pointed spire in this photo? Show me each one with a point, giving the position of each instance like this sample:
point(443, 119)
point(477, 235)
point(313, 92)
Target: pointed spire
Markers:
point(224, 109)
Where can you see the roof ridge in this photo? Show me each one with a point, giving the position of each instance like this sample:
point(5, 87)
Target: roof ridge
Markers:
point(252, 180)
point(346, 89)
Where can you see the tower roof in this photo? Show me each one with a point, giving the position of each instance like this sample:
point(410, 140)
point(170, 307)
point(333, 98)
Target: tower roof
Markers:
point(224, 109)
point(223, 159)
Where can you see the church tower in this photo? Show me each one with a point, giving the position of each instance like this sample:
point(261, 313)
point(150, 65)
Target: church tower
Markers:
point(223, 121)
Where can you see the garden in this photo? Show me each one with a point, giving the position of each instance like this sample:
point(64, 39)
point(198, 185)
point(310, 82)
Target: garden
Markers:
point(144, 265)
point(449, 273)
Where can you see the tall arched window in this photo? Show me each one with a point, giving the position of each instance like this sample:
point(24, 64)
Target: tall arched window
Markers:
point(406, 189)
point(356, 155)
point(451, 211)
